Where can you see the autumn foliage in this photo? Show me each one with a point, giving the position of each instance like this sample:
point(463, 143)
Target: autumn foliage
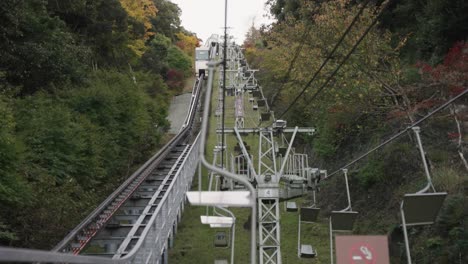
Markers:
point(452, 72)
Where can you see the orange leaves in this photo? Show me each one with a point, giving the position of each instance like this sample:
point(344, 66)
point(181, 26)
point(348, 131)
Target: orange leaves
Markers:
point(187, 43)
point(142, 11)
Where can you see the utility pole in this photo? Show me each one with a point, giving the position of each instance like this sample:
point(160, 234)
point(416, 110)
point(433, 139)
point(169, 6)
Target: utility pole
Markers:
point(224, 83)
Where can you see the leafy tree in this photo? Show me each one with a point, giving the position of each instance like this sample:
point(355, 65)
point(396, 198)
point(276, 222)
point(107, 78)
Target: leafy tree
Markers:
point(142, 11)
point(13, 189)
point(282, 8)
point(78, 145)
point(36, 51)
point(167, 21)
point(177, 59)
point(102, 25)
point(187, 43)
point(73, 123)
point(431, 27)
point(155, 58)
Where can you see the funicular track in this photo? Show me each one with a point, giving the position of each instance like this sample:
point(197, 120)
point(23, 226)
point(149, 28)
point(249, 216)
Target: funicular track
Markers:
point(120, 222)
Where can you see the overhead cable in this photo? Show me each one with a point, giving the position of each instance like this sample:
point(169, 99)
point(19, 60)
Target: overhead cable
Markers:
point(348, 29)
point(397, 135)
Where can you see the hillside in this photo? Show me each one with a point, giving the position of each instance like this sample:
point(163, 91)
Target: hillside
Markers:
point(413, 60)
point(84, 87)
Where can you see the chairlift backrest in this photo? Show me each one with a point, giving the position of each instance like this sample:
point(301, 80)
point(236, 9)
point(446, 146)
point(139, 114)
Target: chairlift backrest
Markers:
point(422, 208)
point(265, 116)
point(343, 220)
point(309, 214)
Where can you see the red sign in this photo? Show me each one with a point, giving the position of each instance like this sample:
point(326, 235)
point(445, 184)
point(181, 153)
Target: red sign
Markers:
point(362, 250)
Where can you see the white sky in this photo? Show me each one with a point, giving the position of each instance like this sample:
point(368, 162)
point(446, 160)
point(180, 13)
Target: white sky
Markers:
point(206, 17)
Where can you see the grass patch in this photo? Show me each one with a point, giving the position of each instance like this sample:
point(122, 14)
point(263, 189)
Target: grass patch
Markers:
point(447, 179)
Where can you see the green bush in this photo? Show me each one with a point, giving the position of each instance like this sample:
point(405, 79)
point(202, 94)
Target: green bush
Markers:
point(371, 173)
point(447, 179)
point(177, 59)
point(76, 146)
point(388, 166)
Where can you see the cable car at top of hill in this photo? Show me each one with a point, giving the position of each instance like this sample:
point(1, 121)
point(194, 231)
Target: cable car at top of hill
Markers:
point(204, 54)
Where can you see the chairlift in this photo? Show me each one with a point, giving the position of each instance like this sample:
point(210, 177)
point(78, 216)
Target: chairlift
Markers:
point(261, 102)
point(291, 207)
point(237, 148)
point(256, 93)
point(312, 176)
point(282, 151)
point(306, 215)
point(307, 251)
point(265, 116)
point(422, 207)
point(221, 239)
point(279, 124)
point(342, 220)
point(324, 173)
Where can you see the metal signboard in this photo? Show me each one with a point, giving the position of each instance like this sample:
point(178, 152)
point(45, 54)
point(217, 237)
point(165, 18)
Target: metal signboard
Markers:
point(362, 250)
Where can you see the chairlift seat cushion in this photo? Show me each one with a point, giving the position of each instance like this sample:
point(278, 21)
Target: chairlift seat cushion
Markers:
point(221, 239)
point(291, 206)
point(307, 251)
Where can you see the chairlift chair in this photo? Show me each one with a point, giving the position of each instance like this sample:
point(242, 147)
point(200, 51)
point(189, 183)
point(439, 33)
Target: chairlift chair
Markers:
point(291, 207)
point(307, 215)
point(261, 102)
point(422, 207)
point(221, 239)
point(265, 116)
point(342, 220)
point(282, 151)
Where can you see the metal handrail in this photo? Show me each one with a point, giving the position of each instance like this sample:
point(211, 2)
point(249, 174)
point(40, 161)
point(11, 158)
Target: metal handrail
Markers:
point(134, 250)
